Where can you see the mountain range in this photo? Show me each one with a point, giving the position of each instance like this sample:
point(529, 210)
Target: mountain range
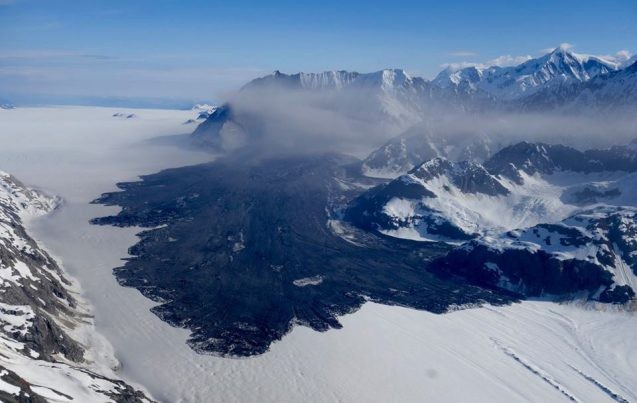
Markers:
point(567, 214)
point(557, 68)
point(561, 81)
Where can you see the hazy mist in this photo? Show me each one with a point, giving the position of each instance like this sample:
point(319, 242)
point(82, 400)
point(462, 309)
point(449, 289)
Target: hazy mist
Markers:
point(356, 122)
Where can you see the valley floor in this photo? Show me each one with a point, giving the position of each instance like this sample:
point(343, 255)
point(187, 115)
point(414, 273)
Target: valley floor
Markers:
point(533, 351)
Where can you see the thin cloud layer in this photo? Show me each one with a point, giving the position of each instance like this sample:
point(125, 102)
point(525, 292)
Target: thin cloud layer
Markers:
point(500, 61)
point(508, 60)
point(463, 54)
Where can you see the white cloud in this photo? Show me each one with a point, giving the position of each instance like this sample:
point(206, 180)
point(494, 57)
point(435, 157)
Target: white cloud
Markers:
point(463, 54)
point(623, 55)
point(460, 65)
point(508, 60)
point(563, 46)
point(500, 61)
point(621, 58)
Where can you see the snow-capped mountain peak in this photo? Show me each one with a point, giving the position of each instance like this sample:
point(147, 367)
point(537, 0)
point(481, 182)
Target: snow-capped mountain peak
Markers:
point(560, 66)
point(463, 79)
point(203, 111)
point(386, 79)
point(580, 66)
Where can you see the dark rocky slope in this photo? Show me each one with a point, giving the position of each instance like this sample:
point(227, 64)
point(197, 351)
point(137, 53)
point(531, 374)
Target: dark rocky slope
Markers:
point(244, 252)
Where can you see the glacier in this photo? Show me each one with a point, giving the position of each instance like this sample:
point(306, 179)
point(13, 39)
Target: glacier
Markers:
point(534, 350)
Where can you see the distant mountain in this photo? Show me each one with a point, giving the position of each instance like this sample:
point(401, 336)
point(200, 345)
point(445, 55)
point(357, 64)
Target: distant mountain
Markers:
point(390, 97)
point(614, 91)
point(546, 159)
point(333, 80)
point(391, 92)
point(403, 152)
point(558, 68)
point(387, 80)
point(389, 100)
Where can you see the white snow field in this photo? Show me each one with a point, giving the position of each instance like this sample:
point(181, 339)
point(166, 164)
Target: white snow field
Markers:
point(534, 351)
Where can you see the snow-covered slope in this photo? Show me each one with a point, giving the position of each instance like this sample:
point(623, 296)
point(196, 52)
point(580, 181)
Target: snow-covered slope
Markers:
point(593, 250)
point(442, 200)
point(387, 80)
point(521, 185)
point(612, 92)
point(40, 358)
point(523, 189)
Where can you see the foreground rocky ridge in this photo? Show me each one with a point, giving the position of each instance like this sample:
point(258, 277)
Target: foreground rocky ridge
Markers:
point(593, 251)
point(41, 358)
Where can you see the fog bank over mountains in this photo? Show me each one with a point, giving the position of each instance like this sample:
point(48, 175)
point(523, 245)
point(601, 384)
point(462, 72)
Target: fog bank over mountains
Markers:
point(580, 100)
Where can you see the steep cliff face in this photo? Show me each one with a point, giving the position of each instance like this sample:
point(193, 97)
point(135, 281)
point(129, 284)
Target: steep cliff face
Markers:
point(39, 357)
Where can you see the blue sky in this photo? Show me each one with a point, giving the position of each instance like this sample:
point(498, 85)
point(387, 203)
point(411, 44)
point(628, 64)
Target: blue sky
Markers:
point(169, 52)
